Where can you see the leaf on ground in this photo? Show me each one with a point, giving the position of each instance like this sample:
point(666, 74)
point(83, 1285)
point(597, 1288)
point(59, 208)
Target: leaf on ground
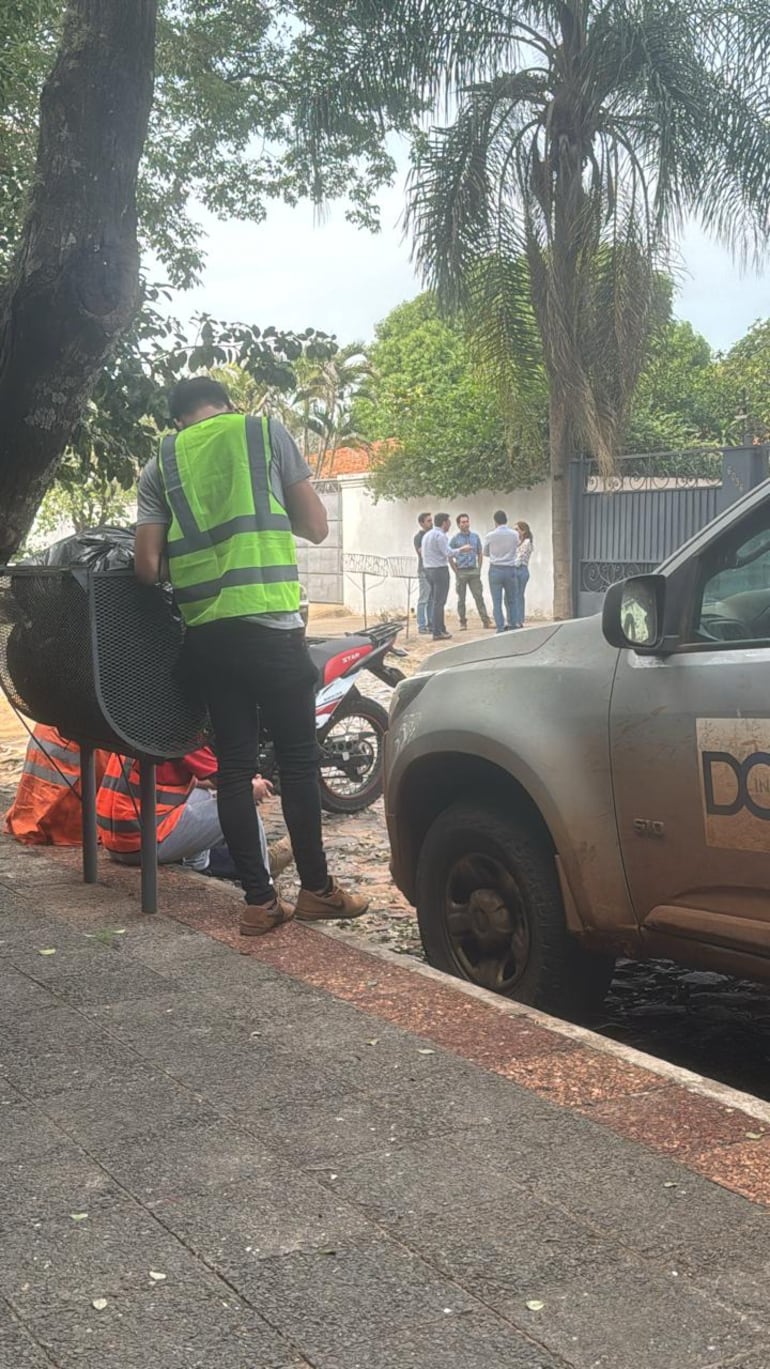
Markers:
point(99, 1303)
point(426, 1052)
point(754, 1135)
point(79, 1216)
point(49, 950)
point(535, 1305)
point(106, 935)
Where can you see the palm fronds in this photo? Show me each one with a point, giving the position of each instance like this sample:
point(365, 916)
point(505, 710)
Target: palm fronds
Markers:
point(579, 158)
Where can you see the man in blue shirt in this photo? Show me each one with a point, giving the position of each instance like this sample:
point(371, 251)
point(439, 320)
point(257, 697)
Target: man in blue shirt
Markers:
point(467, 566)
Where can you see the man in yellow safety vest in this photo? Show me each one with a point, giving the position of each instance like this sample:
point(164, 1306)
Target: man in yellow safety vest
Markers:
point(217, 513)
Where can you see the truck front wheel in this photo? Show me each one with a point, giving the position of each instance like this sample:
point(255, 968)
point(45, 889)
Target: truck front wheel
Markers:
point(490, 910)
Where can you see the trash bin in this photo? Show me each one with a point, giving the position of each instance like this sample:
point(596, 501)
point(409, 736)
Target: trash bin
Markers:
point(95, 654)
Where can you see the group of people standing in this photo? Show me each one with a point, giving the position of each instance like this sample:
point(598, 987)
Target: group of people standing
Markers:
point(508, 550)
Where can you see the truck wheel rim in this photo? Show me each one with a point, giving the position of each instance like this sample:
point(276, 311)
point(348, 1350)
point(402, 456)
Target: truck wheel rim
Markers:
point(487, 923)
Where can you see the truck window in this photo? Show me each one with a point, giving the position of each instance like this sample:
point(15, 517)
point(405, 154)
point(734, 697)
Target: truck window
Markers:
point(735, 597)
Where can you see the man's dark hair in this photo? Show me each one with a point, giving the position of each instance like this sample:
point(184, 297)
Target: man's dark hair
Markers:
point(439, 518)
point(462, 515)
point(501, 517)
point(195, 393)
point(421, 518)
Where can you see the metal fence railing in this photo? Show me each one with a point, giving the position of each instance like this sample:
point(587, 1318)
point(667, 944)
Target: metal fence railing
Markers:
point(362, 568)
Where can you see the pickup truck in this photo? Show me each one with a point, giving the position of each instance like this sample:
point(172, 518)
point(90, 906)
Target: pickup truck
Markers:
point(562, 795)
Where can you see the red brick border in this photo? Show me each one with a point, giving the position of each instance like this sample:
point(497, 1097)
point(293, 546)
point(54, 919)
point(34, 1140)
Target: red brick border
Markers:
point(570, 1067)
point(723, 1143)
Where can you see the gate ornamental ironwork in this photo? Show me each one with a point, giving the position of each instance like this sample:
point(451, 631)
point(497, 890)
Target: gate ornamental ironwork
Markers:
point(627, 523)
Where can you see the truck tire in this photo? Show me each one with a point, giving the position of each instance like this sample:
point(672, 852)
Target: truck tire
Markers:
point(490, 910)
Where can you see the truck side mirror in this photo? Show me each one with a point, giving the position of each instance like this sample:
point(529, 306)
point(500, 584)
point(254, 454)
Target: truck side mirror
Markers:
point(633, 614)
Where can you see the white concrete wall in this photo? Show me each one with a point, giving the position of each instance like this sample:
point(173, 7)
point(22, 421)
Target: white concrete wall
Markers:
point(387, 529)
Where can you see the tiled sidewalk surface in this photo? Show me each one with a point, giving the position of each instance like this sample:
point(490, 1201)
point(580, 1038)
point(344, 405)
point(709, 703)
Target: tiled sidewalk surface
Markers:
point(310, 1155)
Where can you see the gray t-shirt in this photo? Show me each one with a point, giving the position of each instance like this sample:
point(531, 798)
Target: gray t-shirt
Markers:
point(287, 468)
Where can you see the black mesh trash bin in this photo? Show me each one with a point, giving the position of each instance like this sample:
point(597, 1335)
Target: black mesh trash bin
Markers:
point(95, 654)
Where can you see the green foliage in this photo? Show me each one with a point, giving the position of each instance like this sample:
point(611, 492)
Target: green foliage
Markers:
point(118, 431)
point(78, 500)
point(676, 404)
point(689, 396)
point(230, 126)
point(587, 132)
point(443, 428)
point(28, 33)
point(317, 405)
point(444, 420)
point(321, 412)
point(744, 375)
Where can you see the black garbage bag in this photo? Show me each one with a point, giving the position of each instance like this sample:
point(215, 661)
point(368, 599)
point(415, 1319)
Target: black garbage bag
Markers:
point(86, 647)
point(48, 648)
point(105, 548)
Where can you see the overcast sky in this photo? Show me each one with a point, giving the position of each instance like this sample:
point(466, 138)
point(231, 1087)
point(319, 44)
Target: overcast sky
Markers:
point(296, 272)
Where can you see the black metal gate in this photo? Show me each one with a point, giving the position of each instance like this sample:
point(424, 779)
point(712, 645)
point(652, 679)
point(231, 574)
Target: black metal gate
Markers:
point(627, 523)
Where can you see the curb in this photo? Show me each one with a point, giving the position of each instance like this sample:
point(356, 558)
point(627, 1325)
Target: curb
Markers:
point(571, 1031)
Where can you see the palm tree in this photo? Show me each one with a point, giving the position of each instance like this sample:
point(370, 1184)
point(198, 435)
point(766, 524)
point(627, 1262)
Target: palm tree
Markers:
point(585, 130)
point(322, 403)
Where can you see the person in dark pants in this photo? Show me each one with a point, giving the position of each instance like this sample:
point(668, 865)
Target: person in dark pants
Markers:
point(468, 571)
point(437, 554)
point(425, 595)
point(217, 513)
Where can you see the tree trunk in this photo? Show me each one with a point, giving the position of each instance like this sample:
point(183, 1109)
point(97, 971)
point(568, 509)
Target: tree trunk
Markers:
point(561, 453)
point(74, 286)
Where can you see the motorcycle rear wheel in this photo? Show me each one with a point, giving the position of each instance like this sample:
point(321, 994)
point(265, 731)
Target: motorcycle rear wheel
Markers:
point(352, 756)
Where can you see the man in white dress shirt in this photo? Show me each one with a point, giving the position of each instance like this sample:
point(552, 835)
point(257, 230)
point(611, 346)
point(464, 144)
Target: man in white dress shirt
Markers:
point(500, 545)
point(437, 555)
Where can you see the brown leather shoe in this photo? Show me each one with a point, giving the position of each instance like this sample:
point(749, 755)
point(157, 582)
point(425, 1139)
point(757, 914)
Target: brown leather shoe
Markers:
point(337, 903)
point(259, 918)
point(280, 856)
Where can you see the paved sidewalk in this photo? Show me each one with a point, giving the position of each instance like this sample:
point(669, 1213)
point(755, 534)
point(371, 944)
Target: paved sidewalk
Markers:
point(311, 1155)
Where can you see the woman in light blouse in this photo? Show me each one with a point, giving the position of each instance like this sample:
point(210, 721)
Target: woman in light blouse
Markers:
point(521, 569)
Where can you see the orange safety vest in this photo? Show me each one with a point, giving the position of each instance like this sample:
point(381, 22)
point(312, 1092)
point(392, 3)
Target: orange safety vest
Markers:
point(117, 805)
point(47, 810)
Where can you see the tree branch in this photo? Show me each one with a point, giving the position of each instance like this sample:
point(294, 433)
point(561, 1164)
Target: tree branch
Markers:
point(74, 286)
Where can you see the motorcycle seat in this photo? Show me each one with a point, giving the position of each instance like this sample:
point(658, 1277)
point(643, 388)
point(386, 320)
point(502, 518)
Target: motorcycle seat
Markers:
point(325, 650)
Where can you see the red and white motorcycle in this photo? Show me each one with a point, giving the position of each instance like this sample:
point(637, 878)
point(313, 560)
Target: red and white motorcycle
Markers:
point(351, 728)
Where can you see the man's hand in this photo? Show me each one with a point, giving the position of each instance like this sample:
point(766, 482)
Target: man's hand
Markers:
point(261, 789)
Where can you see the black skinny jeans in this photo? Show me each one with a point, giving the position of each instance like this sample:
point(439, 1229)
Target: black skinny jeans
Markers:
point(244, 669)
